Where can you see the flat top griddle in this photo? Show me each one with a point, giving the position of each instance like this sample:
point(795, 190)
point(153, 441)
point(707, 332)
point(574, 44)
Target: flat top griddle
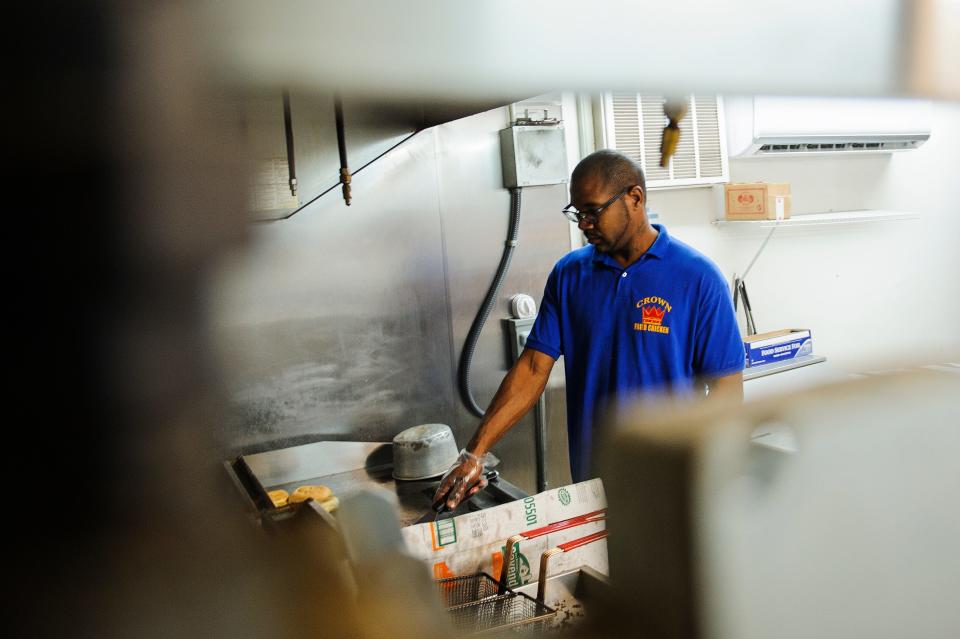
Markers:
point(350, 467)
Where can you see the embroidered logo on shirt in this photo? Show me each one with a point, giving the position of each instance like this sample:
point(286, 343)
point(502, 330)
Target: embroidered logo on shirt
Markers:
point(653, 312)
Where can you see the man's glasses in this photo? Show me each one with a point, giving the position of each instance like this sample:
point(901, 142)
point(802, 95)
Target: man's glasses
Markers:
point(592, 215)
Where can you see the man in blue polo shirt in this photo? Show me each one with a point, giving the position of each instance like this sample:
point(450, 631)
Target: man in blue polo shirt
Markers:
point(635, 311)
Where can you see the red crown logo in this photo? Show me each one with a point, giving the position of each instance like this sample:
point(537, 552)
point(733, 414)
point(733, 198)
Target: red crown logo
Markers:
point(652, 314)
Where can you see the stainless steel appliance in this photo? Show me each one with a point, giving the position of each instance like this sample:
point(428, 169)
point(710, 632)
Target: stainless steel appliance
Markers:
point(348, 468)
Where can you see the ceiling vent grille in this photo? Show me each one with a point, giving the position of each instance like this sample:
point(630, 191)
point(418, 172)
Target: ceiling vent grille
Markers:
point(633, 124)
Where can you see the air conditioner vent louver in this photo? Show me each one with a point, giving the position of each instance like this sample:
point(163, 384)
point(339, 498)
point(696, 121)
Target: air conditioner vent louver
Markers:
point(852, 147)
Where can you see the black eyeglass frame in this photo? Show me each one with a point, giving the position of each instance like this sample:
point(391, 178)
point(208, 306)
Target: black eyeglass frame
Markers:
point(593, 215)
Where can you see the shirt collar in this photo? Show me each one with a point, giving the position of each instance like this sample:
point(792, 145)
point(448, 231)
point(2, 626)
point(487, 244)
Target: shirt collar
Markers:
point(658, 249)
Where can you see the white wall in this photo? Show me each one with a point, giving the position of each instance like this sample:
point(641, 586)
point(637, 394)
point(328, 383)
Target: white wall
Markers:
point(874, 294)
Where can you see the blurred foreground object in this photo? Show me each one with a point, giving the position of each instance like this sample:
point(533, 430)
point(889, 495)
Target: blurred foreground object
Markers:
point(935, 48)
point(394, 590)
point(464, 51)
point(851, 530)
point(150, 540)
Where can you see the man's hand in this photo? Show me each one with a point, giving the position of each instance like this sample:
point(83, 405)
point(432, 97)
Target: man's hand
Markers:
point(517, 394)
point(463, 480)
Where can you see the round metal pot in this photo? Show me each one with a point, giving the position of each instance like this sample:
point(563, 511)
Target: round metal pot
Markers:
point(423, 451)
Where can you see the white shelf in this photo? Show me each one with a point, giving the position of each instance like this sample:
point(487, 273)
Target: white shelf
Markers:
point(817, 219)
point(753, 372)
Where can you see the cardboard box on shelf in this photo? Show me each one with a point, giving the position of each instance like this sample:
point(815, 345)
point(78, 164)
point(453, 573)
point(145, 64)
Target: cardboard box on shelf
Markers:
point(776, 346)
point(757, 201)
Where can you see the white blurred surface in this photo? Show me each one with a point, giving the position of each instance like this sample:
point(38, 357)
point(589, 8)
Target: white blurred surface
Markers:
point(502, 48)
point(855, 534)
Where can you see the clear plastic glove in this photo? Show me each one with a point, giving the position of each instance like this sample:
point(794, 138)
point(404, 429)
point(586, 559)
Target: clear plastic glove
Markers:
point(464, 479)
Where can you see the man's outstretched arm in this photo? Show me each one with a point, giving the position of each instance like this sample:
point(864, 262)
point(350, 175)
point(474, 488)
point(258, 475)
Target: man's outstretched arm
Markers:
point(517, 394)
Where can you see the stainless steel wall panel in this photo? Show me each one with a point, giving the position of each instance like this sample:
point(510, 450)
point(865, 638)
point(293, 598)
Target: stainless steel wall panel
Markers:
point(370, 129)
point(475, 210)
point(347, 323)
point(334, 325)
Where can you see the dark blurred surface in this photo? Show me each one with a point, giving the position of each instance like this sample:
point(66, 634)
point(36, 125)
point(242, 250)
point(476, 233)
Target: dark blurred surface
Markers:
point(122, 183)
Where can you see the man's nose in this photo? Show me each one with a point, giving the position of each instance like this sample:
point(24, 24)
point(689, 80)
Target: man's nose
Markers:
point(585, 223)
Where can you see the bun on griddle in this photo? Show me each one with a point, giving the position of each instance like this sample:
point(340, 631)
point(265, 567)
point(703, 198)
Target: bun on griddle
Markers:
point(317, 493)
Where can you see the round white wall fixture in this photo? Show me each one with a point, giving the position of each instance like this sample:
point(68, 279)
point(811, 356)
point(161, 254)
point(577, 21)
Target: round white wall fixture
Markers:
point(523, 306)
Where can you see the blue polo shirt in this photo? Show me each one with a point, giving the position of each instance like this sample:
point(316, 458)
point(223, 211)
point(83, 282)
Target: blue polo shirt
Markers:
point(656, 325)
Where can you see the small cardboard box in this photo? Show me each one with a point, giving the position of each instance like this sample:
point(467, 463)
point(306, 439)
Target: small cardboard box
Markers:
point(776, 346)
point(757, 201)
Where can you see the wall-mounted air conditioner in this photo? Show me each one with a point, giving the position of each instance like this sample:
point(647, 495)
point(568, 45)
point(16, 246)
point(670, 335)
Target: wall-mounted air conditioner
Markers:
point(769, 126)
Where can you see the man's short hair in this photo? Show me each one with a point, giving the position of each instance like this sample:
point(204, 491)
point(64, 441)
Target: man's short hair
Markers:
point(616, 170)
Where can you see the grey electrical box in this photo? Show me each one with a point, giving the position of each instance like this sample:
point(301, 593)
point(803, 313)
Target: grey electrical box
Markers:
point(533, 155)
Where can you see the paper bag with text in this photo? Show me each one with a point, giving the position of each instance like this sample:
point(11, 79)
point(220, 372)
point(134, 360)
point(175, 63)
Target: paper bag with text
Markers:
point(475, 542)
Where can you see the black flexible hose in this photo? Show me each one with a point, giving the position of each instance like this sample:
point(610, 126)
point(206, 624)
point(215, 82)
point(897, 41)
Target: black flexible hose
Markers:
point(466, 355)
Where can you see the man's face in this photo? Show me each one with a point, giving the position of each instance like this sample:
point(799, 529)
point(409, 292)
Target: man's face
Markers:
point(617, 224)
